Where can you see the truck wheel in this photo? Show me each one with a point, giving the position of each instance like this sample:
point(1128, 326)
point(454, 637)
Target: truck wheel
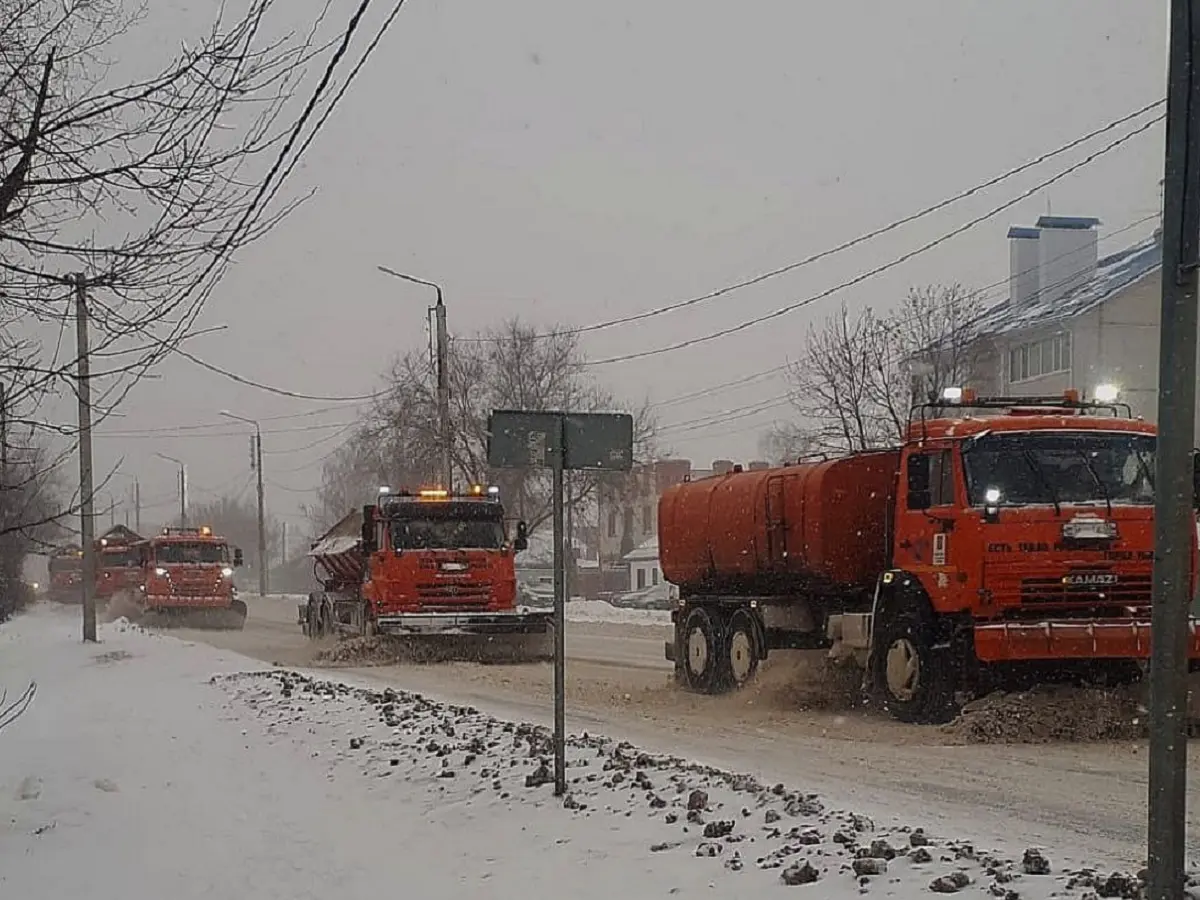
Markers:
point(701, 647)
point(915, 682)
point(741, 650)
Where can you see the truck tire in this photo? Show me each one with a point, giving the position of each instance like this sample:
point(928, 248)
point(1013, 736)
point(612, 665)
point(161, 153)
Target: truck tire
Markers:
point(914, 681)
point(741, 650)
point(701, 644)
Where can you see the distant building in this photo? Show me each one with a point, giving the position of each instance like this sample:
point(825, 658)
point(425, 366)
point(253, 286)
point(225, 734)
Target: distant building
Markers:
point(644, 570)
point(1073, 319)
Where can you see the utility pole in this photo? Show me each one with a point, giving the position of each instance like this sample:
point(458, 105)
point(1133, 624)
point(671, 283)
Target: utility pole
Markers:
point(87, 525)
point(137, 506)
point(181, 481)
point(256, 462)
point(441, 365)
point(443, 385)
point(283, 541)
point(1174, 512)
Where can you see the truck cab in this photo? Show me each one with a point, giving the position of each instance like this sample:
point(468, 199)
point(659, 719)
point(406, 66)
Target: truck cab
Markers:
point(190, 569)
point(431, 552)
point(118, 563)
point(66, 576)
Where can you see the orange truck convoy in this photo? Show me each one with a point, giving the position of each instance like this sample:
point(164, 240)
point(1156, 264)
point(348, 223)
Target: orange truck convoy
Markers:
point(182, 574)
point(1007, 538)
point(432, 566)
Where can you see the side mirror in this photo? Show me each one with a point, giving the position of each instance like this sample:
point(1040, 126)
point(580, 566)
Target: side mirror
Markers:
point(368, 531)
point(521, 541)
point(238, 559)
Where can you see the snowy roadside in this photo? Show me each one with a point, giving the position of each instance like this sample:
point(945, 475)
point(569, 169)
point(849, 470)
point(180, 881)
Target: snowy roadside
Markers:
point(275, 784)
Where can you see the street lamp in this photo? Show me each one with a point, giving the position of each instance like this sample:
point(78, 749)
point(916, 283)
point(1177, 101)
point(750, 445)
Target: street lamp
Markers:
point(136, 496)
point(443, 383)
point(183, 504)
point(257, 461)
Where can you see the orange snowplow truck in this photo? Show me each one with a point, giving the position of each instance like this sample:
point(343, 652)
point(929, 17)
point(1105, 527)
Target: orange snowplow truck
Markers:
point(187, 575)
point(432, 567)
point(66, 575)
point(1007, 538)
point(118, 563)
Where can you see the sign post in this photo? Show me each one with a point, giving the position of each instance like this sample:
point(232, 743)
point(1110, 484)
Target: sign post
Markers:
point(519, 439)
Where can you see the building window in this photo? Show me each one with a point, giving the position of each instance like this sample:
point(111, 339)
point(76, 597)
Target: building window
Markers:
point(654, 576)
point(612, 524)
point(641, 578)
point(647, 519)
point(1037, 358)
point(629, 523)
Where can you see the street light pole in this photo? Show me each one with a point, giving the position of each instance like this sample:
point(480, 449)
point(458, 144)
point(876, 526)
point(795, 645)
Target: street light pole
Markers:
point(442, 339)
point(183, 504)
point(263, 582)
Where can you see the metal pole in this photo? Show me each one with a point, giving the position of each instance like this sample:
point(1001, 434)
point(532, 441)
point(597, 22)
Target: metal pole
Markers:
point(443, 386)
point(569, 540)
point(560, 602)
point(87, 530)
point(137, 505)
point(283, 550)
point(1174, 522)
point(263, 581)
point(183, 504)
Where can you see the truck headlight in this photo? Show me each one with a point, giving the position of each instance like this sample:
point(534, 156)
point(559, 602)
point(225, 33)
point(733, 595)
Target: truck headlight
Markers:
point(160, 572)
point(227, 572)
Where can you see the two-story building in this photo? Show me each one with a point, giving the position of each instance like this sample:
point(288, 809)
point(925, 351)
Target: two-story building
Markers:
point(1072, 318)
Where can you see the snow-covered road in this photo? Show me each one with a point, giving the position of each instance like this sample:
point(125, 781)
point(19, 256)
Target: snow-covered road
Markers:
point(136, 774)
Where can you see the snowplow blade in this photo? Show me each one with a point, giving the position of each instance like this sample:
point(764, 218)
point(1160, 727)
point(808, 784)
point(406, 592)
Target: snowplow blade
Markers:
point(476, 637)
point(1078, 639)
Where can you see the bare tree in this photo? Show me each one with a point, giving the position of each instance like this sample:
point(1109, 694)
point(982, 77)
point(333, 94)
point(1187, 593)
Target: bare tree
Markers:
point(236, 520)
point(10, 712)
point(145, 183)
point(514, 366)
point(860, 375)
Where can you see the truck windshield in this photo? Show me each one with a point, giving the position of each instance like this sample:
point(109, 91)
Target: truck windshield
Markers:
point(446, 534)
point(191, 552)
point(65, 564)
point(1049, 467)
point(114, 559)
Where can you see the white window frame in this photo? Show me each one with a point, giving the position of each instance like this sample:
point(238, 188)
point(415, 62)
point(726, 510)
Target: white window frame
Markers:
point(1035, 359)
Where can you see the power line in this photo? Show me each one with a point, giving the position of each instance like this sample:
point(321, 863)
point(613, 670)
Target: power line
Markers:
point(270, 389)
point(168, 432)
point(720, 418)
point(905, 257)
point(846, 245)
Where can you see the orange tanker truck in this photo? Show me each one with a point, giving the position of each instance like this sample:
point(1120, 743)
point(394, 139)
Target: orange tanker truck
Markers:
point(187, 577)
point(432, 567)
point(1006, 538)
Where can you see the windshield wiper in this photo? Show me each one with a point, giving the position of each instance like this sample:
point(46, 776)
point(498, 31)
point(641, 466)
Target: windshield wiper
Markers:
point(1036, 467)
point(1096, 478)
point(1145, 467)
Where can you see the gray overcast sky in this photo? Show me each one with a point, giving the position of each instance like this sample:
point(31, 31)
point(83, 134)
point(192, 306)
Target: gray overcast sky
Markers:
point(571, 162)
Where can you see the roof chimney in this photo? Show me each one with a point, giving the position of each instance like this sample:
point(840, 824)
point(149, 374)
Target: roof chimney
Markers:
point(1068, 254)
point(1023, 264)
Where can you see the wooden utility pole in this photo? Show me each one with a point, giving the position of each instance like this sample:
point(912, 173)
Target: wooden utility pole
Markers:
point(87, 529)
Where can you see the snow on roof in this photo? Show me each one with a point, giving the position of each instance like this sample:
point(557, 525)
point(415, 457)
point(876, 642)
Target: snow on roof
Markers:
point(647, 550)
point(1114, 273)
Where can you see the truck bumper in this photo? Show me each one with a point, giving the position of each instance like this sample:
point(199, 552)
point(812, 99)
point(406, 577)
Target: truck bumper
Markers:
point(464, 623)
point(1071, 639)
point(167, 601)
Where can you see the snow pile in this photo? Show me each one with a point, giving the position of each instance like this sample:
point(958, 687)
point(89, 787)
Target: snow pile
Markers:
point(685, 814)
point(600, 611)
point(1052, 713)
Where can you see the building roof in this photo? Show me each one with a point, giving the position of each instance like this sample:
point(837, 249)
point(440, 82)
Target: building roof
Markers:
point(646, 551)
point(1114, 273)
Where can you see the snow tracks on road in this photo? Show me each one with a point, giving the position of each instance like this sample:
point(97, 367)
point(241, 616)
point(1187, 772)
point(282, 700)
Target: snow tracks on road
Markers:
point(140, 772)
